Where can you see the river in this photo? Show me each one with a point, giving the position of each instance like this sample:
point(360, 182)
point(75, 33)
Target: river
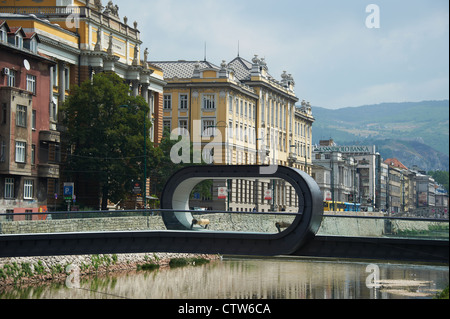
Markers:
point(251, 278)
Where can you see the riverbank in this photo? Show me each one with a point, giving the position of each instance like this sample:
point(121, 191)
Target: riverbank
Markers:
point(34, 270)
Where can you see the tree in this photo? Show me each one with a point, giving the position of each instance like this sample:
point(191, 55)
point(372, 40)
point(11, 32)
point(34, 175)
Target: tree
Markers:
point(105, 131)
point(441, 177)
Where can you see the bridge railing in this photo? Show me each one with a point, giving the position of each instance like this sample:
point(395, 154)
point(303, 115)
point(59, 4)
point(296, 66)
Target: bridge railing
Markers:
point(224, 221)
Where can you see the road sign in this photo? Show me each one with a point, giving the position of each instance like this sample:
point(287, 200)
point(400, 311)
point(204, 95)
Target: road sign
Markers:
point(223, 193)
point(268, 194)
point(68, 191)
point(137, 188)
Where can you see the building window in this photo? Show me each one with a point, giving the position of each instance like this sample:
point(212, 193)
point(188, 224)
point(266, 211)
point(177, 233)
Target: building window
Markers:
point(183, 127)
point(230, 104)
point(31, 83)
point(167, 101)
point(12, 78)
point(54, 109)
point(33, 119)
point(67, 78)
point(19, 42)
point(28, 189)
point(209, 101)
point(208, 128)
point(10, 215)
point(9, 188)
point(167, 125)
point(55, 75)
point(33, 45)
point(2, 35)
point(2, 151)
point(184, 102)
point(20, 152)
point(21, 116)
point(33, 154)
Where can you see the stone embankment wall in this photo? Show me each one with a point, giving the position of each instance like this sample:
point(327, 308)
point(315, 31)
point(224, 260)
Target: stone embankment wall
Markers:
point(220, 222)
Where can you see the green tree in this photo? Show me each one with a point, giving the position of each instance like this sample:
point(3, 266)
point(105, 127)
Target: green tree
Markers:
point(163, 166)
point(105, 130)
point(441, 177)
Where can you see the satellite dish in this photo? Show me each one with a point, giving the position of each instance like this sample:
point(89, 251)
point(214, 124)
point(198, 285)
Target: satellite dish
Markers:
point(26, 64)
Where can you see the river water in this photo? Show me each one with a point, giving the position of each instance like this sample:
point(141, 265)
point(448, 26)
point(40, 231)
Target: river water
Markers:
point(274, 278)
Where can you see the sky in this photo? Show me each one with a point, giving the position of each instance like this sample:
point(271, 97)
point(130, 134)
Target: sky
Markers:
point(340, 53)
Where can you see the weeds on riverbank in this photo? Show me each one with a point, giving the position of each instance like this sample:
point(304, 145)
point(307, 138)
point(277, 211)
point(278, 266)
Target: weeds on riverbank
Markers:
point(443, 294)
point(14, 273)
point(181, 262)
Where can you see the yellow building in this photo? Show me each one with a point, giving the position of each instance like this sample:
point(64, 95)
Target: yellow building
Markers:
point(237, 113)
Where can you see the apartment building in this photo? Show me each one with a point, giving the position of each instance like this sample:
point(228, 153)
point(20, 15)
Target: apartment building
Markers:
point(29, 146)
point(237, 113)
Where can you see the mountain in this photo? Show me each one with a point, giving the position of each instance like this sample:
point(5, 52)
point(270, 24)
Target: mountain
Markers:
point(417, 133)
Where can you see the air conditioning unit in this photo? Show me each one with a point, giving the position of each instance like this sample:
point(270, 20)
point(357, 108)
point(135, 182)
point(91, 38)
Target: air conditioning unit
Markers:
point(5, 71)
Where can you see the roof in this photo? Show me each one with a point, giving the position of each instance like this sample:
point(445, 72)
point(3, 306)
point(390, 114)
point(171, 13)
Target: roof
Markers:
point(395, 162)
point(182, 69)
point(15, 30)
point(242, 68)
point(4, 23)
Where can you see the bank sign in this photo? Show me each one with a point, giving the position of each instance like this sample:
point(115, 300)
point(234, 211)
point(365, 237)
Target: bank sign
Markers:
point(346, 149)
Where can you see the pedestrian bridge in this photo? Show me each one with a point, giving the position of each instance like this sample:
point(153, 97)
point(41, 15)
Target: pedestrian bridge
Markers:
point(175, 228)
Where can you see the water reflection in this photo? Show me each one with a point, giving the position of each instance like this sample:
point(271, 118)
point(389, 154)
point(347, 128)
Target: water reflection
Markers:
point(255, 279)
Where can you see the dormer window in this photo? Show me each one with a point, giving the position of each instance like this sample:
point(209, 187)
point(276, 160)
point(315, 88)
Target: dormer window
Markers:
point(33, 45)
point(19, 41)
point(2, 35)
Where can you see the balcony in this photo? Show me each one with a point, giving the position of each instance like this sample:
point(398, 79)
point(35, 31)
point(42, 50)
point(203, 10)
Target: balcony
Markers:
point(292, 157)
point(48, 170)
point(50, 137)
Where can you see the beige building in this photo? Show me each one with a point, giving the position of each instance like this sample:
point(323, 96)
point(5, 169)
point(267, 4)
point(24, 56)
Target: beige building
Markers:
point(238, 114)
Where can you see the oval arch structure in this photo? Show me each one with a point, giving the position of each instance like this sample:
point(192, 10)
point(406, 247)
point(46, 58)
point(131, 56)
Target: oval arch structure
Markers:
point(303, 229)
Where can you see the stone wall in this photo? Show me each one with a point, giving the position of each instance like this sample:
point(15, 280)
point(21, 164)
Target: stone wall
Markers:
point(218, 222)
point(249, 222)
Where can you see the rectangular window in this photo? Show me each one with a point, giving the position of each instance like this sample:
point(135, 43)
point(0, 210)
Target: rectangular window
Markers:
point(33, 119)
point(33, 46)
point(31, 83)
point(208, 128)
point(209, 101)
point(9, 188)
point(167, 101)
point(54, 109)
point(20, 152)
point(19, 41)
point(21, 116)
point(12, 78)
point(167, 124)
point(183, 127)
point(2, 35)
point(33, 154)
point(67, 78)
point(2, 151)
point(184, 102)
point(28, 189)
point(10, 215)
point(55, 75)
point(230, 99)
